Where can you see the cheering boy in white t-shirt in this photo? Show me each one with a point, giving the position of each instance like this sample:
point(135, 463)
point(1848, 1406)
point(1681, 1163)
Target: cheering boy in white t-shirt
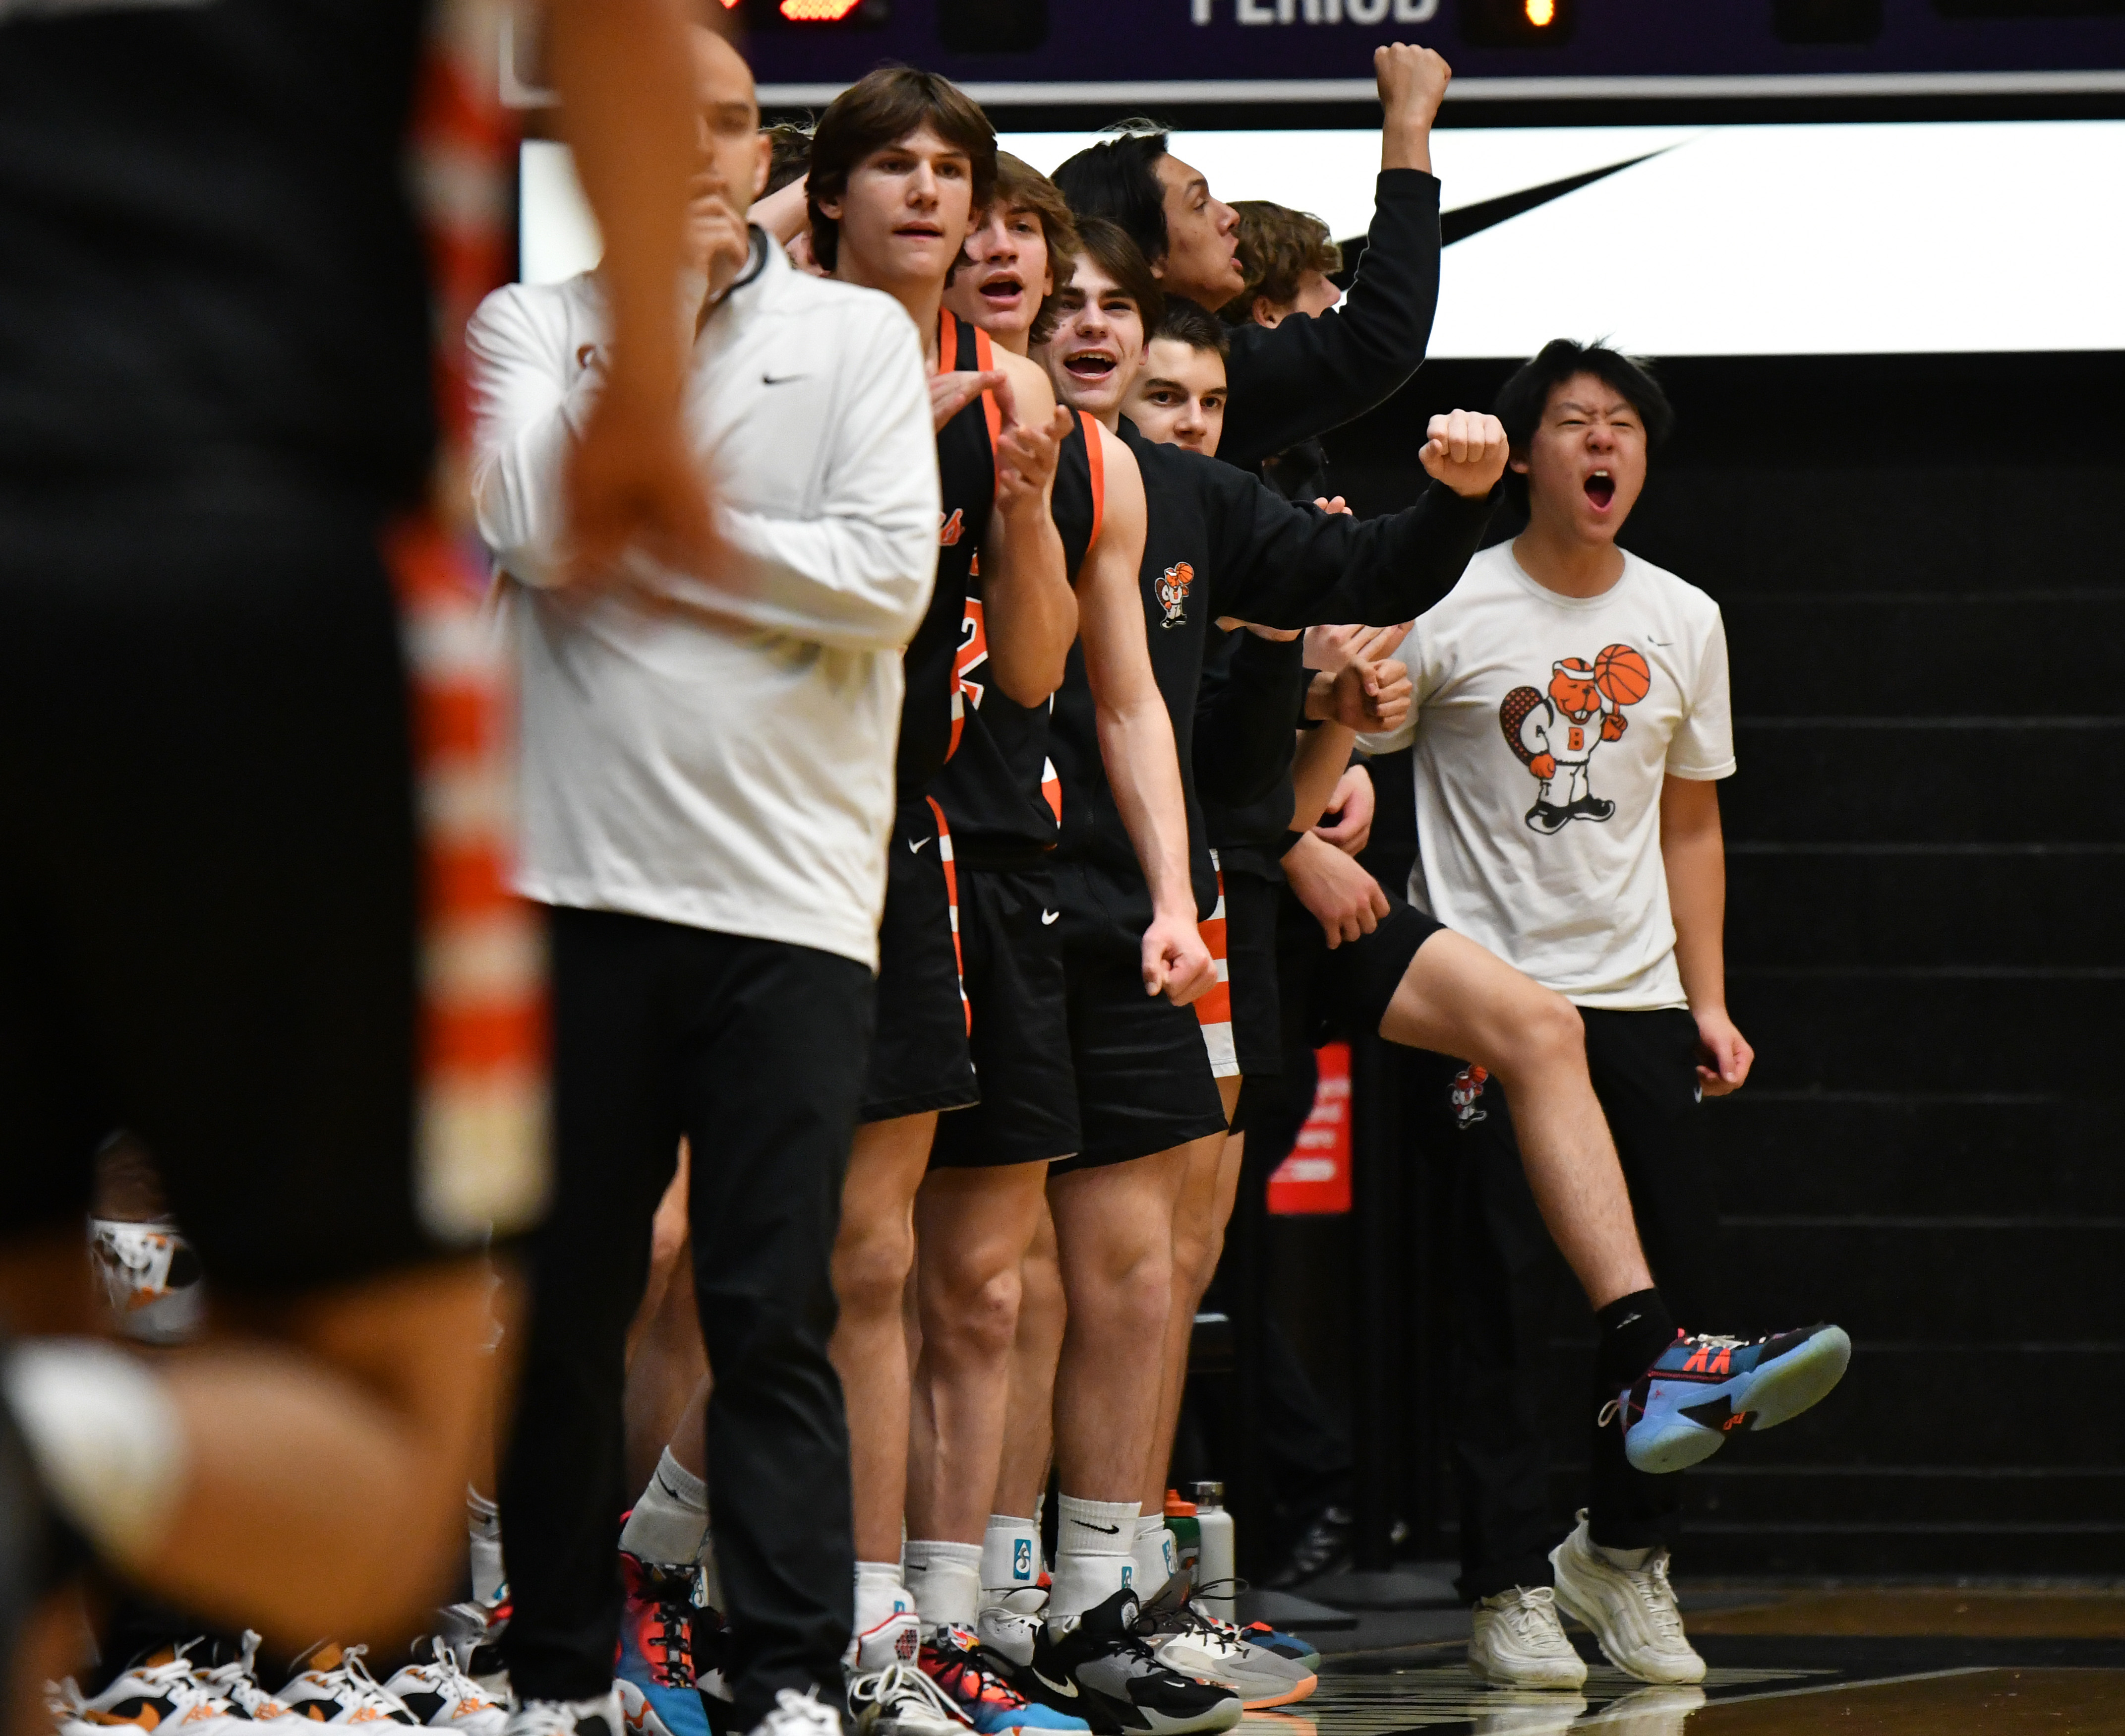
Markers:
point(1572, 724)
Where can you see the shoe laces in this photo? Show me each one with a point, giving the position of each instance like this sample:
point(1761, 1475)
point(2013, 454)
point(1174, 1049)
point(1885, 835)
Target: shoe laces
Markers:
point(237, 1680)
point(1656, 1596)
point(453, 1678)
point(960, 1673)
point(1531, 1611)
point(794, 1714)
point(899, 1683)
point(353, 1669)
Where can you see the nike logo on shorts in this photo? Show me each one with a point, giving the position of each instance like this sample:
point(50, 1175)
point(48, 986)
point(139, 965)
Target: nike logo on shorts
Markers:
point(916, 844)
point(1048, 917)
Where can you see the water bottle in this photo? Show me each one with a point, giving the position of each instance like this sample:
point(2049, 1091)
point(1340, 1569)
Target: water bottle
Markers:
point(1216, 1566)
point(1187, 1534)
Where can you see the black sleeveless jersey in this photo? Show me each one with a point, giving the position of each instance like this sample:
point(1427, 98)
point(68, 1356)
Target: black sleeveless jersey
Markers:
point(208, 258)
point(966, 469)
point(998, 790)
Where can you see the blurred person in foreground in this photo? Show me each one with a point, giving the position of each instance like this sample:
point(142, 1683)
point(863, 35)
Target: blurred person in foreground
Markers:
point(215, 398)
point(710, 791)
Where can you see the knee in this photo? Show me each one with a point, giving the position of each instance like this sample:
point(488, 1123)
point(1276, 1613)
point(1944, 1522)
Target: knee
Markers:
point(870, 1267)
point(972, 1314)
point(1128, 1291)
point(1548, 1033)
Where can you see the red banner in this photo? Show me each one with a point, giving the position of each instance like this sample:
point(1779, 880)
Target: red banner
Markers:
point(1315, 1177)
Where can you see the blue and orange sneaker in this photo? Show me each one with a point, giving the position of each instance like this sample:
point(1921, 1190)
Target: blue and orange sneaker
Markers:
point(656, 1642)
point(953, 1660)
point(1702, 1388)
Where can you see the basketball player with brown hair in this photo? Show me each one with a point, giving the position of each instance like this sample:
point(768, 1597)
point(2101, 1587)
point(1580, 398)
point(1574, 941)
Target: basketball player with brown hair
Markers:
point(1572, 725)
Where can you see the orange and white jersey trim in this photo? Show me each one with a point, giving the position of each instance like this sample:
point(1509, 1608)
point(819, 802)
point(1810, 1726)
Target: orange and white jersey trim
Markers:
point(1213, 1011)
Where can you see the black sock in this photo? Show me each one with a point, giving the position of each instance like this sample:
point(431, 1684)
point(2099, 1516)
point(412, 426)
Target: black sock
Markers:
point(1635, 1329)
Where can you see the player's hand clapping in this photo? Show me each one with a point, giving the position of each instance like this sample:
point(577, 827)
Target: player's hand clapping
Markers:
point(1467, 450)
point(1025, 456)
point(951, 393)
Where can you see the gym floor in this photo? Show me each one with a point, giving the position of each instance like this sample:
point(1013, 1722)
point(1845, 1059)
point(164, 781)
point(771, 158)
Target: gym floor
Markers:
point(1886, 1661)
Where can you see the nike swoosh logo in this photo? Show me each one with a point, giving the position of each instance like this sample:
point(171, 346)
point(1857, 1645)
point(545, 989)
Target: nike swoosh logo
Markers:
point(1112, 1531)
point(778, 379)
point(1067, 1690)
point(1048, 917)
point(916, 844)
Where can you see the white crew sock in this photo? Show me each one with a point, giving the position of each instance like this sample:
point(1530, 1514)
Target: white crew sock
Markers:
point(1094, 1557)
point(946, 1581)
point(1156, 1559)
point(106, 1438)
point(484, 1546)
point(670, 1523)
point(880, 1595)
point(1011, 1553)
point(1630, 1560)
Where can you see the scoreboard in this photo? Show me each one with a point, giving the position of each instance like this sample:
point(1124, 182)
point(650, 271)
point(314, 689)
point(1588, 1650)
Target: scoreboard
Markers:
point(1211, 50)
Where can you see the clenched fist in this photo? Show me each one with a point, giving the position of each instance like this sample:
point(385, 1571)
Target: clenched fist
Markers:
point(1467, 450)
point(1413, 83)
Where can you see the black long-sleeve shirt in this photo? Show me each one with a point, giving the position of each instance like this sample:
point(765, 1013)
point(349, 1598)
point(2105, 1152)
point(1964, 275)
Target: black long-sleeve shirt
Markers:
point(1293, 381)
point(1218, 542)
point(1252, 698)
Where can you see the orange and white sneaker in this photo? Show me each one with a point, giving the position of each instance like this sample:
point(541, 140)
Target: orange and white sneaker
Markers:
point(236, 1680)
point(331, 1685)
point(442, 1696)
point(160, 1692)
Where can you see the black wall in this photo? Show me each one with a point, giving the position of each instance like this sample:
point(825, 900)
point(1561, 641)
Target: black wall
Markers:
point(1921, 562)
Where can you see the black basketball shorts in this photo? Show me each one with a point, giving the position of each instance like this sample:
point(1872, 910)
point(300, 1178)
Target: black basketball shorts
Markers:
point(1011, 937)
point(920, 1059)
point(209, 890)
point(1144, 1083)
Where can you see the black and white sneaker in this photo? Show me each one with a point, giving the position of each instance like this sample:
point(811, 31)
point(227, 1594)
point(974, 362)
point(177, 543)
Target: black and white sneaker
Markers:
point(1096, 1667)
point(601, 1716)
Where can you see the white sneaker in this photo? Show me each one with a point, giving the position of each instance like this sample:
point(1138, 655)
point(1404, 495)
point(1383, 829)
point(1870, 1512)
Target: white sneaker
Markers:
point(638, 1717)
point(331, 1685)
point(441, 1695)
point(799, 1714)
point(599, 1716)
point(1632, 1610)
point(1211, 1651)
point(159, 1692)
point(1518, 1643)
point(237, 1682)
point(894, 1640)
point(900, 1700)
point(1007, 1625)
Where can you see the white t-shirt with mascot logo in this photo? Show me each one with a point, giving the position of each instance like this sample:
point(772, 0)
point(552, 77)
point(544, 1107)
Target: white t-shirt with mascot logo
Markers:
point(1545, 726)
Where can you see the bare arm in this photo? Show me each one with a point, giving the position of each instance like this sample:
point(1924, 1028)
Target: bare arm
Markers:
point(1136, 734)
point(623, 69)
point(1031, 611)
point(1318, 769)
point(1693, 852)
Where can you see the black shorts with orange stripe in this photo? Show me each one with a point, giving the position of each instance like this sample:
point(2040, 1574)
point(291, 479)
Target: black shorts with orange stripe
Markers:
point(1010, 934)
point(920, 1059)
point(1144, 1077)
point(1253, 1000)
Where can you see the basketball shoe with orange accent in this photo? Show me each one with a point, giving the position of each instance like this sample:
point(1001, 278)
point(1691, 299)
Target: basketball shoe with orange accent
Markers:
point(442, 1696)
point(331, 1685)
point(952, 1658)
point(159, 1692)
point(659, 1625)
point(235, 1679)
point(1701, 1389)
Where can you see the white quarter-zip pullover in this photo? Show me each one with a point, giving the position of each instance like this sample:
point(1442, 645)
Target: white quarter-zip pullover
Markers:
point(727, 763)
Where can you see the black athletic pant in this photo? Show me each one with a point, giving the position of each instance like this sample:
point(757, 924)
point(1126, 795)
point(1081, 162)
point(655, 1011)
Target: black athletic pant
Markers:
point(754, 1050)
point(1509, 1282)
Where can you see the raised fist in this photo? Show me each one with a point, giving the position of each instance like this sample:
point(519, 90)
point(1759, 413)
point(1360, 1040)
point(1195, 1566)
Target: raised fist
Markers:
point(1412, 82)
point(1614, 726)
point(1543, 765)
point(1467, 450)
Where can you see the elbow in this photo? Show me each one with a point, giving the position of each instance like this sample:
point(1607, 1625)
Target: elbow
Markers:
point(1030, 684)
